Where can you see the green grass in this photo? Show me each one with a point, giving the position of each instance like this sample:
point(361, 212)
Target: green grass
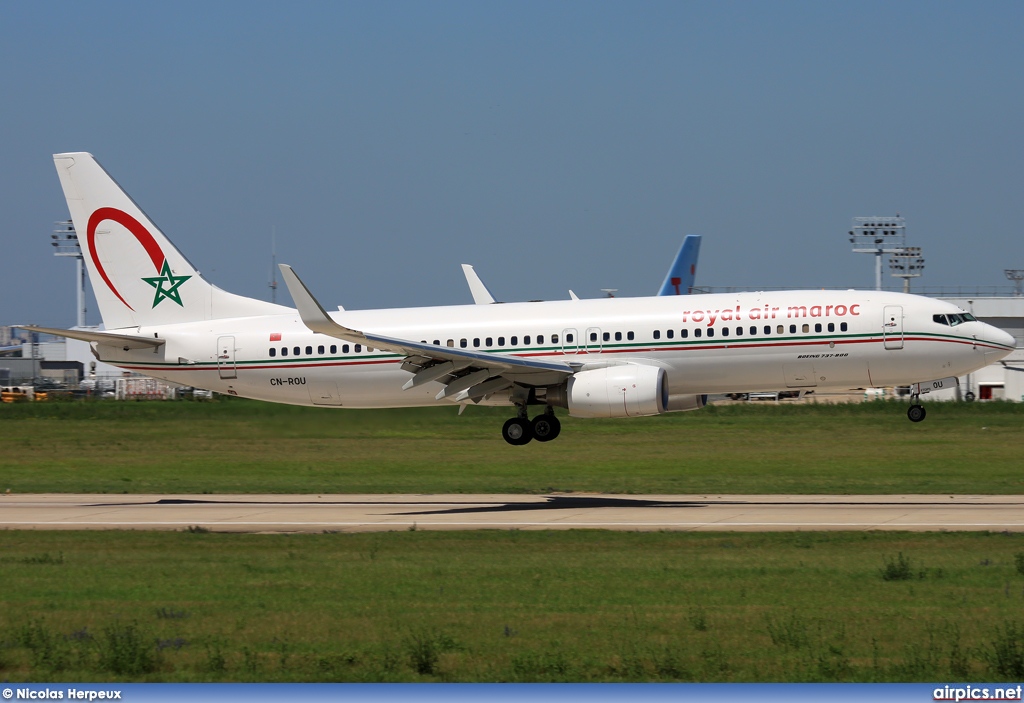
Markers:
point(252, 447)
point(510, 606)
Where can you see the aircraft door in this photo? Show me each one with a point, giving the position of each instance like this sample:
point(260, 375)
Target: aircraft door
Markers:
point(592, 340)
point(570, 341)
point(226, 357)
point(892, 326)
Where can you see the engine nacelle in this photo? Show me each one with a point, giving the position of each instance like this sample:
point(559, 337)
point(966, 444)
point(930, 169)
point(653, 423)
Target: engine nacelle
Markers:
point(682, 403)
point(628, 390)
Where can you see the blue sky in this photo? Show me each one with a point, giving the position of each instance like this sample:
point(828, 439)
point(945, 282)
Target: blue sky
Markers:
point(553, 145)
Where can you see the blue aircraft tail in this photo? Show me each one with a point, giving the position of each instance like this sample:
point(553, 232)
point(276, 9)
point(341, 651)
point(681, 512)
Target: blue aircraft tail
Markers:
point(681, 275)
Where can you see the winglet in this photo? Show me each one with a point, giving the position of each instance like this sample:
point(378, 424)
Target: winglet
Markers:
point(312, 312)
point(481, 295)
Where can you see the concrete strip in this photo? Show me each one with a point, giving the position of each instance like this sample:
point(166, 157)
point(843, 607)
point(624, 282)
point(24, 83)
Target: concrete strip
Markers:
point(364, 513)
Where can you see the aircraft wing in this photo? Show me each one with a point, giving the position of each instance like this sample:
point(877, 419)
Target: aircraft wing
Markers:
point(466, 374)
point(112, 339)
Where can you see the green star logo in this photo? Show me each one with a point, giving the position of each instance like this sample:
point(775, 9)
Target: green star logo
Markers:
point(172, 284)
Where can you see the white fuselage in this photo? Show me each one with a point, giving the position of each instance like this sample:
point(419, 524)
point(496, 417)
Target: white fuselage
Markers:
point(706, 344)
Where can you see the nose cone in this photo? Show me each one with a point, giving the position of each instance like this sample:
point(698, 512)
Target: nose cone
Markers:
point(1001, 338)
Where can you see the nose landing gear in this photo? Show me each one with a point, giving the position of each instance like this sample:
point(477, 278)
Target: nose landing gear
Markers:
point(520, 430)
point(916, 411)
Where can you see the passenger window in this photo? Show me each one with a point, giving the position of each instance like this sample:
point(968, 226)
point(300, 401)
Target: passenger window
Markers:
point(767, 329)
point(515, 341)
point(297, 350)
point(696, 332)
point(739, 331)
point(437, 343)
point(451, 343)
point(284, 351)
point(334, 348)
point(359, 348)
point(273, 352)
point(781, 329)
point(476, 342)
point(489, 341)
point(843, 326)
point(344, 349)
point(629, 336)
point(463, 343)
point(309, 351)
point(618, 336)
point(554, 339)
point(320, 349)
point(670, 334)
point(683, 334)
point(725, 331)
point(806, 328)
point(711, 331)
point(792, 329)
point(526, 339)
point(753, 330)
point(831, 327)
point(607, 336)
point(657, 335)
point(501, 341)
point(540, 339)
point(817, 327)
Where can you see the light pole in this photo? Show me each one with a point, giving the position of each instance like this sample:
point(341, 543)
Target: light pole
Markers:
point(878, 236)
point(1017, 276)
point(64, 240)
point(906, 264)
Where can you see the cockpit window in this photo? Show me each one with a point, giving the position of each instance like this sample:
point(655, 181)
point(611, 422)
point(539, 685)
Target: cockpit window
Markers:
point(954, 319)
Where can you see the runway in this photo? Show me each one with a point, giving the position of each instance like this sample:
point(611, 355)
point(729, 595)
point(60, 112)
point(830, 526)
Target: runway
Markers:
point(367, 513)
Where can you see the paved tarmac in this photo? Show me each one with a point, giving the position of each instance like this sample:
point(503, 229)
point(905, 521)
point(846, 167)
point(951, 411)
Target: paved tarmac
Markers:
point(366, 513)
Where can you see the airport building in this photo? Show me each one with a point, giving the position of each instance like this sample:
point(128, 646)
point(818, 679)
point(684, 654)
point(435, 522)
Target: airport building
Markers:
point(1004, 380)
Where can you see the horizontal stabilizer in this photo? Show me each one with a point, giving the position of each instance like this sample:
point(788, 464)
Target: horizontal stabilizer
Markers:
point(125, 341)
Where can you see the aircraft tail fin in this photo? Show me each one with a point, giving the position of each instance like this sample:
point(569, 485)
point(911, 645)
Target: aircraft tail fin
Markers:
point(683, 271)
point(138, 276)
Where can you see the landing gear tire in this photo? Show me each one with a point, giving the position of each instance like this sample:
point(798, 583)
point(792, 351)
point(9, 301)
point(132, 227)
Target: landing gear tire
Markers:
point(969, 397)
point(517, 431)
point(916, 413)
point(546, 427)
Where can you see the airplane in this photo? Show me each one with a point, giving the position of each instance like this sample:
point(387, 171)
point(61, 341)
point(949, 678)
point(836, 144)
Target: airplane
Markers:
point(600, 358)
point(683, 270)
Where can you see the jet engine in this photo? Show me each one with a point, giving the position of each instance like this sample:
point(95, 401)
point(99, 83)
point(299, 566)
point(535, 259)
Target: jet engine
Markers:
point(627, 390)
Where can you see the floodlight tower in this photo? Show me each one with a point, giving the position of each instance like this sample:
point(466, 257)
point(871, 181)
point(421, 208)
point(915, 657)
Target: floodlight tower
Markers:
point(906, 264)
point(1017, 276)
point(64, 240)
point(878, 236)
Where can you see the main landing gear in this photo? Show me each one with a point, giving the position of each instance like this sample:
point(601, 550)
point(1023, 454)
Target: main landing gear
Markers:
point(520, 430)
